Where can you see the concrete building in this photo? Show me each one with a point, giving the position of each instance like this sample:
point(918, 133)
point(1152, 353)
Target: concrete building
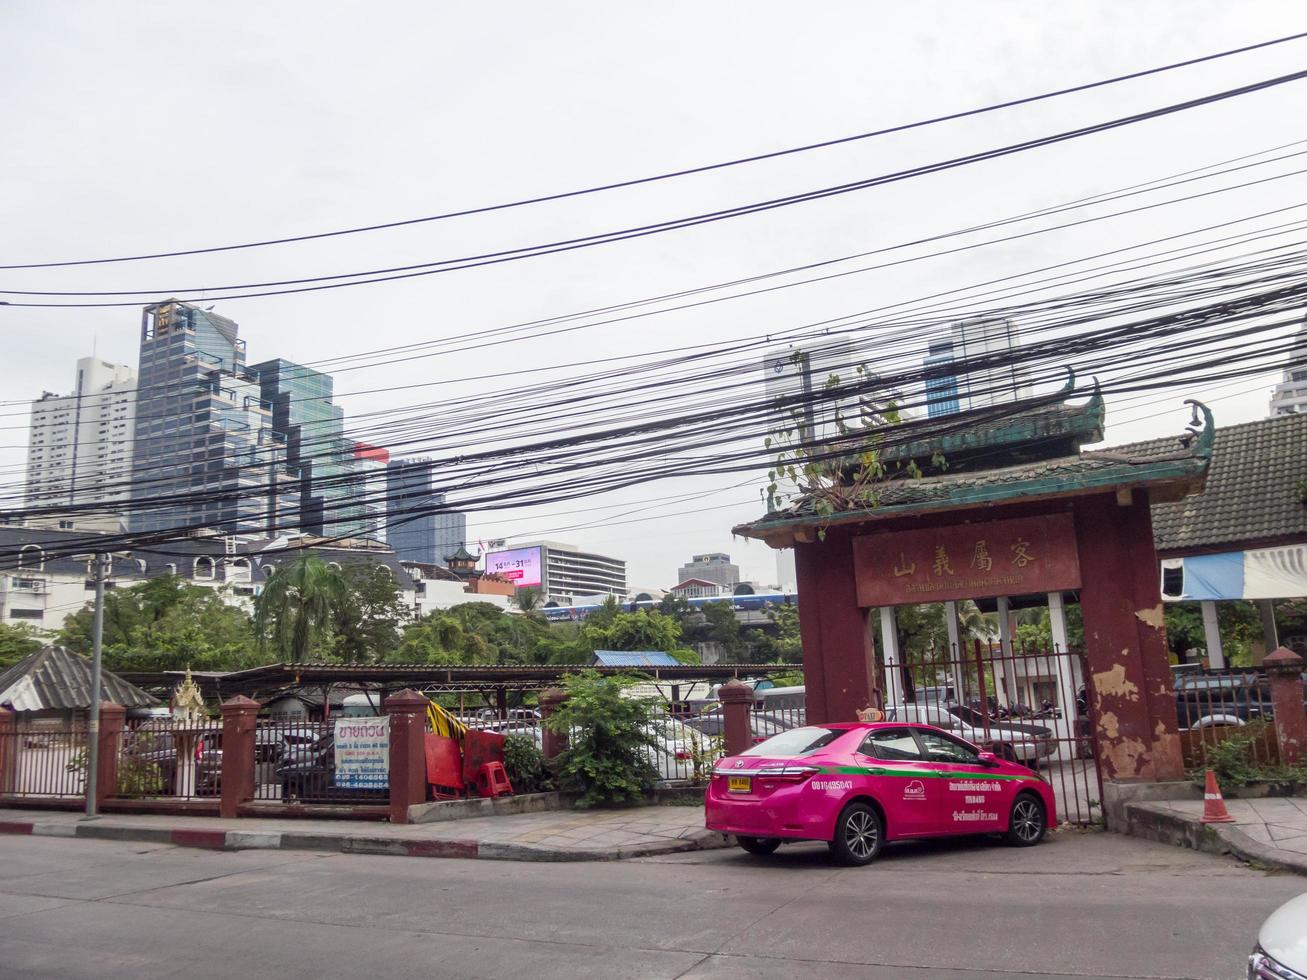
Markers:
point(1290, 395)
point(985, 352)
point(79, 449)
point(562, 572)
point(715, 567)
point(204, 453)
point(47, 575)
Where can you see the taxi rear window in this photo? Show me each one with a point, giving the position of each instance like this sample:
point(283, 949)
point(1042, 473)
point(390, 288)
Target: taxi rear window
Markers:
point(795, 742)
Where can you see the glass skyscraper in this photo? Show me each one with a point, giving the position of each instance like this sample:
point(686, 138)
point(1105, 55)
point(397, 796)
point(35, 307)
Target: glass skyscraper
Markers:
point(417, 528)
point(204, 453)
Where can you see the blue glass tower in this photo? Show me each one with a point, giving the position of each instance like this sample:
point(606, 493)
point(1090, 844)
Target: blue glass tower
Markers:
point(204, 454)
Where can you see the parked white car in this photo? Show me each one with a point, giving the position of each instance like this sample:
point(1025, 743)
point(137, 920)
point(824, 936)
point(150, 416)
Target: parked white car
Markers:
point(1281, 952)
point(1016, 741)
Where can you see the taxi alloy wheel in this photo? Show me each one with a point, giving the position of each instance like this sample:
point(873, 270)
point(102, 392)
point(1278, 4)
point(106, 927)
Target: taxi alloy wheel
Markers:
point(858, 835)
point(759, 845)
point(1027, 823)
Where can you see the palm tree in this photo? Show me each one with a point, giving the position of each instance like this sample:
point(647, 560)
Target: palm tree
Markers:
point(529, 601)
point(296, 606)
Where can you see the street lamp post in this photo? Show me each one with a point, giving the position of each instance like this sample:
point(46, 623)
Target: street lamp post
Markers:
point(93, 719)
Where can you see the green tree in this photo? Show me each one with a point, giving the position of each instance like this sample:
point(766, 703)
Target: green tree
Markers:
point(293, 614)
point(367, 614)
point(166, 624)
point(1239, 622)
point(611, 740)
point(530, 601)
point(441, 638)
point(16, 642)
point(640, 630)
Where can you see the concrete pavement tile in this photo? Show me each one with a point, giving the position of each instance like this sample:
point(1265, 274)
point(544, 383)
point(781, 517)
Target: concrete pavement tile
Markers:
point(1279, 832)
point(1257, 831)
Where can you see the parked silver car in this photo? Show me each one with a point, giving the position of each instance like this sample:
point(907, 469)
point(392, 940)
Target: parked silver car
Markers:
point(1015, 741)
point(1281, 952)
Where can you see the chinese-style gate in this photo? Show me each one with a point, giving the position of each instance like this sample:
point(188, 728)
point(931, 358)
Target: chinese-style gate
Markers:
point(1017, 510)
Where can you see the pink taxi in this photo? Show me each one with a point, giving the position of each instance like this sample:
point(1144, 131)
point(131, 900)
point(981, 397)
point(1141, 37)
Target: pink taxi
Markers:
point(857, 785)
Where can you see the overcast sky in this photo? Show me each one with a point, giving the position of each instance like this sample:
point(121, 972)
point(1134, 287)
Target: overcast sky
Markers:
point(140, 126)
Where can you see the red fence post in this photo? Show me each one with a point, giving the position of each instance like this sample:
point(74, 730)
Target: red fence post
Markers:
point(408, 761)
point(552, 743)
point(8, 750)
point(239, 715)
point(737, 700)
point(1284, 668)
point(113, 718)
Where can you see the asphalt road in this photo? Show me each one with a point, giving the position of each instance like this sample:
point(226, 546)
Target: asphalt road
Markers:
point(1083, 905)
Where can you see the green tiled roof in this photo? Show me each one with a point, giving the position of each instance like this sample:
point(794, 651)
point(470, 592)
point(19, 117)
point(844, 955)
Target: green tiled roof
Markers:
point(1160, 464)
point(1252, 492)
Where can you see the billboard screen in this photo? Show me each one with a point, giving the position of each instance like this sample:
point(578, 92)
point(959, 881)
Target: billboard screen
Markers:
point(520, 566)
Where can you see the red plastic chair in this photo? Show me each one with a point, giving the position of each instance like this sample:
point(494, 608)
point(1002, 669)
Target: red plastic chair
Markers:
point(492, 780)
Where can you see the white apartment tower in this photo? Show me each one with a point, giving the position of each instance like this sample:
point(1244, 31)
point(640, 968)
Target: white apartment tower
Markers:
point(79, 450)
point(1290, 394)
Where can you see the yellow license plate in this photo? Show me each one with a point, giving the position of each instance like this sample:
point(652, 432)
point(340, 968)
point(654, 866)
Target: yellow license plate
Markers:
point(739, 784)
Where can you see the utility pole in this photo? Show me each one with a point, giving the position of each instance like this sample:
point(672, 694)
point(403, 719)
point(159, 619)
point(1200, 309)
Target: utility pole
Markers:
point(93, 720)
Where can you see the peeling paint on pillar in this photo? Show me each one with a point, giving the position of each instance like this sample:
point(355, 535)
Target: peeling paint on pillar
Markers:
point(1113, 683)
point(1126, 651)
point(1154, 617)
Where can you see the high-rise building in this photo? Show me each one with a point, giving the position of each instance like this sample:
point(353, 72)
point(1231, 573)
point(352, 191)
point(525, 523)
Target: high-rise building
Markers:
point(370, 486)
point(324, 462)
point(204, 453)
point(941, 388)
point(1290, 394)
point(79, 450)
point(418, 526)
point(988, 372)
point(411, 502)
point(715, 567)
point(562, 572)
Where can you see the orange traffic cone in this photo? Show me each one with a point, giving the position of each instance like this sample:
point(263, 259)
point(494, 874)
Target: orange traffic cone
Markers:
point(1213, 803)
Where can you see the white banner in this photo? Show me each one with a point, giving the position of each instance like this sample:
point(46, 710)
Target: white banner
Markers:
point(363, 753)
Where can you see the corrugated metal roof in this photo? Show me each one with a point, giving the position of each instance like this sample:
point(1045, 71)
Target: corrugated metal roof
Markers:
point(635, 658)
point(56, 679)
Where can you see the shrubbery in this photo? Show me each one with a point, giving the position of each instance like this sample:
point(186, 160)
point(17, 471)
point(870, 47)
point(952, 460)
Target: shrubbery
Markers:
point(611, 740)
point(526, 766)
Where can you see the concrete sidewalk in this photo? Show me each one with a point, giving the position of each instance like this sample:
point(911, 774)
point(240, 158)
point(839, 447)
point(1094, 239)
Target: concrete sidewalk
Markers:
point(1271, 830)
point(556, 835)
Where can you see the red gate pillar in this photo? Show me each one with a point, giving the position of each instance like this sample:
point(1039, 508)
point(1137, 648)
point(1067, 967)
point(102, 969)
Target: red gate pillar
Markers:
point(238, 727)
point(552, 743)
point(8, 750)
point(408, 761)
point(837, 645)
point(1130, 687)
point(737, 700)
point(113, 717)
point(1284, 668)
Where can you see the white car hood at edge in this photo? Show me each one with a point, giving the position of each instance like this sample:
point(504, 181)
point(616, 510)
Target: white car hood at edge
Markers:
point(1284, 935)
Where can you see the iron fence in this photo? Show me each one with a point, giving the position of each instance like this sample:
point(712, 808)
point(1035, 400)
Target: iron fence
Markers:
point(166, 761)
point(295, 763)
point(1212, 706)
point(1027, 705)
point(681, 752)
point(45, 763)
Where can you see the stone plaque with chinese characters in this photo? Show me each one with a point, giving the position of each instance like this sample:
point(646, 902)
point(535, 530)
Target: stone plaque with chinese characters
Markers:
point(967, 561)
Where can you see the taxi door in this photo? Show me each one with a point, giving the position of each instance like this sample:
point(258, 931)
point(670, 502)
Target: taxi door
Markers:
point(971, 798)
point(906, 785)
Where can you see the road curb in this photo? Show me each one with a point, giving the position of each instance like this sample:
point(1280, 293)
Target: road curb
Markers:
point(240, 840)
point(1156, 821)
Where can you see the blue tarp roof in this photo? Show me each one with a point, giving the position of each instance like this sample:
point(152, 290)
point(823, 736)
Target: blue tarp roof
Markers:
point(634, 658)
